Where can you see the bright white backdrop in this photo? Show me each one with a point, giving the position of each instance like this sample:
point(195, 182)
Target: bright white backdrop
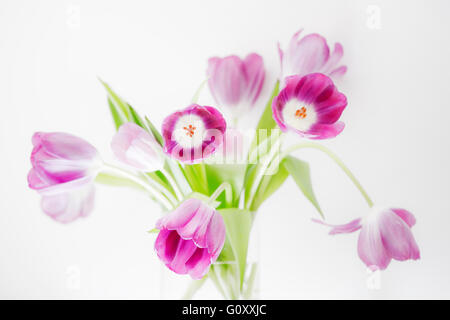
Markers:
point(154, 54)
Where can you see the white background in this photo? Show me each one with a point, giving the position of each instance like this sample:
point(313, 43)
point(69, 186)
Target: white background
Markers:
point(154, 54)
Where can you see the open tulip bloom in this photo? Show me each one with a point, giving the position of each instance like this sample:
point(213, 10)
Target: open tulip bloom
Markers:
point(208, 181)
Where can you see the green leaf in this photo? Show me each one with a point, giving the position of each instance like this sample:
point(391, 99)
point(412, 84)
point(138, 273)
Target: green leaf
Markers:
point(226, 255)
point(250, 176)
point(300, 172)
point(254, 171)
point(120, 105)
point(266, 121)
point(238, 224)
point(136, 118)
point(117, 117)
point(155, 131)
point(161, 179)
point(196, 178)
point(122, 112)
point(269, 184)
point(154, 230)
point(232, 173)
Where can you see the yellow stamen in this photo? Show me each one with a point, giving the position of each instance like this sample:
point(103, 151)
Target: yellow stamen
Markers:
point(190, 130)
point(301, 113)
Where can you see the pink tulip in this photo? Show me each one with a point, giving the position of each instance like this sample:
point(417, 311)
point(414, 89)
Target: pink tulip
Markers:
point(385, 235)
point(190, 238)
point(137, 148)
point(311, 54)
point(64, 167)
point(235, 83)
point(67, 206)
point(193, 133)
point(310, 106)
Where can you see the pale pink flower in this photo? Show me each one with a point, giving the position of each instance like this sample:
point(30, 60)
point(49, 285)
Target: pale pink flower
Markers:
point(311, 54)
point(236, 83)
point(385, 235)
point(190, 238)
point(137, 148)
point(64, 167)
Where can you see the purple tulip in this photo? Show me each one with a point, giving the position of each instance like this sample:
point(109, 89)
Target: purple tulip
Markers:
point(64, 167)
point(194, 133)
point(385, 235)
point(310, 106)
point(190, 238)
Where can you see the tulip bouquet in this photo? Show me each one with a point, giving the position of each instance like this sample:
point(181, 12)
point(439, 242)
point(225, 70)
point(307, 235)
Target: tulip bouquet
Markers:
point(209, 177)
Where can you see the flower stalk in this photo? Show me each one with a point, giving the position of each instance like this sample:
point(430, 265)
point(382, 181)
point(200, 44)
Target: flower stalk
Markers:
point(336, 159)
point(163, 196)
point(225, 186)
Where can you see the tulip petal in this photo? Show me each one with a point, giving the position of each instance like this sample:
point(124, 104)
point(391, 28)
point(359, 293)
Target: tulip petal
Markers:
point(196, 227)
point(371, 249)
point(338, 72)
point(180, 216)
point(65, 207)
point(254, 73)
point(325, 131)
point(64, 145)
point(166, 245)
point(308, 55)
point(235, 83)
point(216, 235)
point(226, 80)
point(198, 265)
point(334, 59)
point(350, 227)
point(185, 250)
point(135, 147)
point(397, 237)
point(61, 159)
point(407, 216)
point(35, 181)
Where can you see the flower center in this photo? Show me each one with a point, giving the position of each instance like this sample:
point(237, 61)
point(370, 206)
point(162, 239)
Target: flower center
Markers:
point(190, 130)
point(301, 113)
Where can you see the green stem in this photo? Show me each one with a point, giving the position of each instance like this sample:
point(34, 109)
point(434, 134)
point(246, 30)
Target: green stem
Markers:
point(163, 189)
point(336, 159)
point(179, 175)
point(173, 183)
point(275, 146)
point(199, 90)
point(225, 186)
point(213, 276)
point(248, 294)
point(142, 182)
point(193, 288)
